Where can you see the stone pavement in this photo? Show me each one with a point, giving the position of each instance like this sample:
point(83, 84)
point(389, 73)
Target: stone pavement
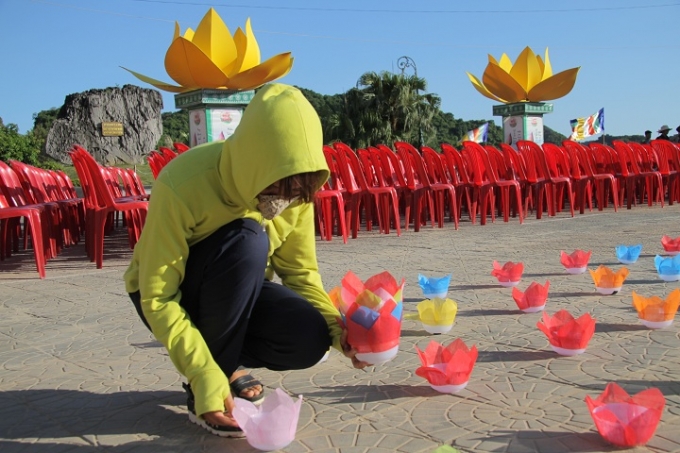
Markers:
point(79, 372)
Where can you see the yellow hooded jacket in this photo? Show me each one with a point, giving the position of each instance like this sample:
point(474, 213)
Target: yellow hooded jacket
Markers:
point(210, 186)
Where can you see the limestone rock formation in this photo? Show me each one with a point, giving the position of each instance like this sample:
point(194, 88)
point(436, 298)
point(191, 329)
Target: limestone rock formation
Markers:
point(80, 122)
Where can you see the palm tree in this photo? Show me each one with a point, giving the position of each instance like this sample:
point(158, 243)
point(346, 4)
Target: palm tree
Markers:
point(395, 109)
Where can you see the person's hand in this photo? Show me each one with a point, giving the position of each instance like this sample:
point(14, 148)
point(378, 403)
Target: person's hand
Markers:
point(222, 418)
point(350, 352)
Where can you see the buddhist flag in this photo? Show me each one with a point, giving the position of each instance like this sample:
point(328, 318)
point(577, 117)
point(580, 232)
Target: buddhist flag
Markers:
point(582, 128)
point(478, 135)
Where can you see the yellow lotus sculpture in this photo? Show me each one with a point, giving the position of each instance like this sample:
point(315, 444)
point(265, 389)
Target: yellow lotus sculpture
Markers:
point(211, 57)
point(530, 79)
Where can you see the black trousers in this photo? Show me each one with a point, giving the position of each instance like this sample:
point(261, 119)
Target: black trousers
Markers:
point(244, 319)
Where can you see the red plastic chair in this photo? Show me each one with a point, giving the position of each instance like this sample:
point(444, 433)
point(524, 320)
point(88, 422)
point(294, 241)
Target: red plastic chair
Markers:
point(382, 198)
point(394, 175)
point(437, 173)
point(485, 178)
point(636, 181)
point(180, 147)
point(417, 179)
point(43, 188)
point(9, 218)
point(352, 198)
point(17, 197)
point(458, 169)
point(40, 224)
point(669, 165)
point(599, 180)
point(537, 165)
point(102, 202)
point(323, 204)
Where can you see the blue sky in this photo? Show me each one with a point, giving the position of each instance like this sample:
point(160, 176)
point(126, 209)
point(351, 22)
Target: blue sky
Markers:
point(628, 51)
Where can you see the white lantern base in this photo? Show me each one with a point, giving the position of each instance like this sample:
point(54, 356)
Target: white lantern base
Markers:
point(377, 358)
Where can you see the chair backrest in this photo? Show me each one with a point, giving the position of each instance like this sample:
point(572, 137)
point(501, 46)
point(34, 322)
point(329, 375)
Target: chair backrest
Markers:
point(667, 154)
point(414, 168)
point(370, 171)
point(535, 164)
point(499, 163)
point(167, 152)
point(335, 180)
point(603, 158)
point(558, 160)
point(627, 165)
point(646, 156)
point(352, 178)
point(382, 175)
point(180, 147)
point(483, 170)
point(137, 182)
point(12, 187)
point(435, 167)
point(393, 168)
point(99, 190)
point(456, 164)
point(580, 165)
point(34, 193)
point(514, 161)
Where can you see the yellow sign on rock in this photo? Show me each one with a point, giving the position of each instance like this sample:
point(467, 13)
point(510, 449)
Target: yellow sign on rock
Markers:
point(112, 129)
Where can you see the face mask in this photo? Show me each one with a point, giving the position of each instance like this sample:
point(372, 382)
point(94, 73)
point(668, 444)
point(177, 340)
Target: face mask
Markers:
point(272, 205)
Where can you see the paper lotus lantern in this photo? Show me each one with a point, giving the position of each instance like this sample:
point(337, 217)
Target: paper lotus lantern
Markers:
point(373, 315)
point(628, 254)
point(533, 299)
point(447, 369)
point(668, 268)
point(607, 281)
point(272, 425)
point(626, 420)
point(529, 79)
point(567, 336)
point(670, 245)
point(437, 315)
point(654, 312)
point(576, 262)
point(509, 274)
point(211, 57)
point(434, 287)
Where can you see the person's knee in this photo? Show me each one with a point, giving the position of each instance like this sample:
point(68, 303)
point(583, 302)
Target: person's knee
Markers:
point(313, 338)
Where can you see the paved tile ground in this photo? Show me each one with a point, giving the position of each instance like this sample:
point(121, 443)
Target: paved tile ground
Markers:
point(79, 373)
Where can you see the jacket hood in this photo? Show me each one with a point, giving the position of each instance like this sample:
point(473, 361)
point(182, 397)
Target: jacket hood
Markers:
point(279, 136)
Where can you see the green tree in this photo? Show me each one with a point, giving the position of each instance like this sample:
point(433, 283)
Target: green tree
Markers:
point(14, 146)
point(384, 107)
point(42, 123)
point(175, 127)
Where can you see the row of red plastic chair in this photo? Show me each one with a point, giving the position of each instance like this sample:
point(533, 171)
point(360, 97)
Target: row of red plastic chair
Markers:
point(105, 199)
point(378, 184)
point(160, 158)
point(46, 200)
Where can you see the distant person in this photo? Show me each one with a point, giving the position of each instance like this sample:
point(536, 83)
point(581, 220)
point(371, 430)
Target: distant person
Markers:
point(663, 133)
point(648, 137)
point(677, 136)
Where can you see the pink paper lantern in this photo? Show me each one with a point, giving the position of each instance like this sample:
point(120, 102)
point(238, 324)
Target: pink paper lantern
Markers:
point(567, 336)
point(626, 420)
point(533, 299)
point(273, 424)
